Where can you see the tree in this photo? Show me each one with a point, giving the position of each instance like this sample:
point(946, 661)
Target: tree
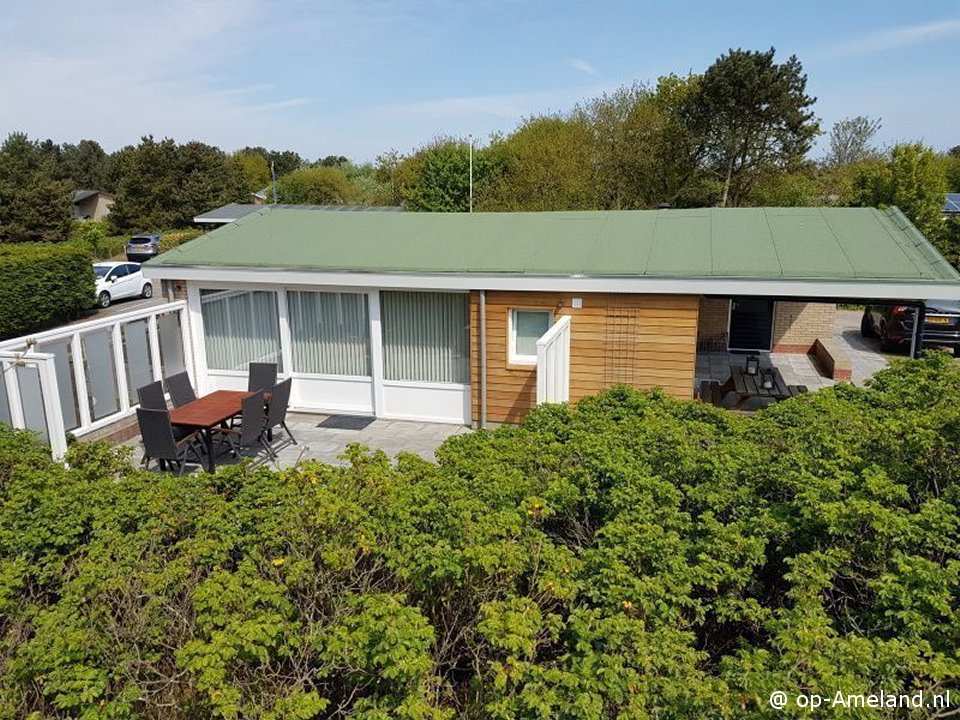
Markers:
point(33, 206)
point(436, 178)
point(544, 165)
point(751, 115)
point(913, 179)
point(642, 152)
point(333, 161)
point(255, 169)
point(162, 185)
point(83, 165)
point(316, 186)
point(850, 141)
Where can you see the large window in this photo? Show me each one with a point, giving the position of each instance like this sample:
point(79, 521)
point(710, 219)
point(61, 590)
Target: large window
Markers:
point(526, 327)
point(329, 333)
point(240, 327)
point(426, 337)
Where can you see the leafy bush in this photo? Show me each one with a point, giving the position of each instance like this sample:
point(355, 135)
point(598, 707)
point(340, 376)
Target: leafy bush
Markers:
point(633, 557)
point(42, 285)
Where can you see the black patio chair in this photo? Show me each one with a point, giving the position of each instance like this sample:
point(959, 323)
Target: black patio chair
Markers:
point(159, 443)
point(252, 429)
point(151, 396)
point(180, 389)
point(277, 409)
point(262, 376)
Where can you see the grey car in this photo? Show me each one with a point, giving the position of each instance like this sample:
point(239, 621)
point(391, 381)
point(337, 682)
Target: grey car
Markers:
point(143, 247)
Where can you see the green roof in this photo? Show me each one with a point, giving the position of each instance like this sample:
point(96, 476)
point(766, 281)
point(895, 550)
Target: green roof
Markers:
point(788, 243)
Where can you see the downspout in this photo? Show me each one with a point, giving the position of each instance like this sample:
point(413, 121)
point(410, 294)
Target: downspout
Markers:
point(483, 358)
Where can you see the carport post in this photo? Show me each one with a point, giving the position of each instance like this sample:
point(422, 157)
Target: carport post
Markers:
point(916, 339)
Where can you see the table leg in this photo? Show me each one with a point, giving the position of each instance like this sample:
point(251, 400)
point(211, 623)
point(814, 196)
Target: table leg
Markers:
point(211, 458)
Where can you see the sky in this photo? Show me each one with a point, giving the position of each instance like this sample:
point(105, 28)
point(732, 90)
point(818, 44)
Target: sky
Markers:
point(360, 78)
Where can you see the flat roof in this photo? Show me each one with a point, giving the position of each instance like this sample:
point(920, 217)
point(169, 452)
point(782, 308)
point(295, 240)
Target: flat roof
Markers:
point(751, 243)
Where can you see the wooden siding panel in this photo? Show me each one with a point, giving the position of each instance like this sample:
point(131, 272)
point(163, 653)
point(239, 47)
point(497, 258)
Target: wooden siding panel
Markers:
point(644, 340)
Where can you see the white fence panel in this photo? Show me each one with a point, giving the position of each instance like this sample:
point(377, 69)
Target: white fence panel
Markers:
point(553, 363)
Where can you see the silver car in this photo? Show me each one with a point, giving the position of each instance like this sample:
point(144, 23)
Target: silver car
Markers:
point(143, 247)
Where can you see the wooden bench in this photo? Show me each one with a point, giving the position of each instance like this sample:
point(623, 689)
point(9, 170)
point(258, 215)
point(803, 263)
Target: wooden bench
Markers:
point(831, 359)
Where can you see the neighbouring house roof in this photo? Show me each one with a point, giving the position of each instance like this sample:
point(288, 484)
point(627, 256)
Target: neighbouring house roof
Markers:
point(663, 250)
point(235, 211)
point(951, 204)
point(81, 195)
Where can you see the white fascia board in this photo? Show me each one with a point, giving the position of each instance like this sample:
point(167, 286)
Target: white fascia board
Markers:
point(223, 221)
point(907, 290)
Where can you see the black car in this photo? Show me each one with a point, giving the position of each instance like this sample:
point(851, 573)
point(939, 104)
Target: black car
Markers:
point(893, 324)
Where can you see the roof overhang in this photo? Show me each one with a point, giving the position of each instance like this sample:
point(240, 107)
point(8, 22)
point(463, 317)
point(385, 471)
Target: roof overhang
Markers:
point(852, 289)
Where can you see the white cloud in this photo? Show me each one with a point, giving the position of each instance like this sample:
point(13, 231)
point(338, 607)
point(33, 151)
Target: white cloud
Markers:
point(512, 106)
point(146, 69)
point(583, 66)
point(892, 39)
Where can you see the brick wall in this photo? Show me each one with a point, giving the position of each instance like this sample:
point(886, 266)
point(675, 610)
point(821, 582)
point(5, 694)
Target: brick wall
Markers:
point(796, 325)
point(177, 289)
point(712, 325)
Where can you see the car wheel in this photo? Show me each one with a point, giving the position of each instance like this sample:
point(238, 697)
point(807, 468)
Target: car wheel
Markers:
point(885, 344)
point(866, 327)
point(103, 299)
point(147, 291)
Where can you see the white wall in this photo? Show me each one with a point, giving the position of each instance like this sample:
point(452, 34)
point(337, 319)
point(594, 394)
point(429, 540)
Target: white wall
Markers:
point(426, 402)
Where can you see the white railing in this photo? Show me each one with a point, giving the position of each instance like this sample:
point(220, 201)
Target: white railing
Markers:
point(553, 363)
point(30, 389)
point(87, 374)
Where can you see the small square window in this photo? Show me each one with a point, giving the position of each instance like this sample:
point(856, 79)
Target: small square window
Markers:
point(526, 327)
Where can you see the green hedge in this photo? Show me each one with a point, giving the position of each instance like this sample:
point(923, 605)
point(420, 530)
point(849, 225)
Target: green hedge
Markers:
point(633, 557)
point(43, 284)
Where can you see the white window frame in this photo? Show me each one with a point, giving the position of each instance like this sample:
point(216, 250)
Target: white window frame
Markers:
point(513, 357)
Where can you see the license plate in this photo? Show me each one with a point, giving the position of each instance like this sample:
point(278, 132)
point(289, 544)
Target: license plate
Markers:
point(938, 320)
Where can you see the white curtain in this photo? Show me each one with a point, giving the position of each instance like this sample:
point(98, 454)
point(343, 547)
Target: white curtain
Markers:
point(329, 333)
point(426, 336)
point(240, 327)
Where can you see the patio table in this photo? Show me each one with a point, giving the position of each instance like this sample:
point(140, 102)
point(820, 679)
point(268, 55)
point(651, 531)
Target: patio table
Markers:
point(206, 413)
point(747, 387)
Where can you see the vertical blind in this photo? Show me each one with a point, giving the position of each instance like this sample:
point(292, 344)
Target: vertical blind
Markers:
point(426, 336)
point(240, 327)
point(329, 332)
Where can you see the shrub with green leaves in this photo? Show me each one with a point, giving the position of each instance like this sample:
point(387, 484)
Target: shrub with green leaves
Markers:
point(43, 284)
point(633, 557)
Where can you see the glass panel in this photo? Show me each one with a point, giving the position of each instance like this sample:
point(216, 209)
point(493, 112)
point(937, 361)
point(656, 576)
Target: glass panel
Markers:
point(528, 327)
point(4, 401)
point(171, 344)
point(136, 357)
point(426, 337)
point(329, 333)
point(101, 370)
point(240, 327)
point(31, 399)
point(66, 382)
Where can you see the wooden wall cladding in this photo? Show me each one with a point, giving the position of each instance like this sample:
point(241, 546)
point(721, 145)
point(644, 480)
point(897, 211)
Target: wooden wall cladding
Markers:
point(642, 340)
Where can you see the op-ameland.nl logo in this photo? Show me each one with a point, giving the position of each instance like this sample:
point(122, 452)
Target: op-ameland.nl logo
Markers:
point(920, 699)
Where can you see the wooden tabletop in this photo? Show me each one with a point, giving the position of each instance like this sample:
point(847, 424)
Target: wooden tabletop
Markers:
point(750, 385)
point(209, 410)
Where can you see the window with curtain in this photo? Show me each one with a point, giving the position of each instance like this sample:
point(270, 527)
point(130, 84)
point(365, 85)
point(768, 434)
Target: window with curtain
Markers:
point(426, 336)
point(329, 332)
point(240, 327)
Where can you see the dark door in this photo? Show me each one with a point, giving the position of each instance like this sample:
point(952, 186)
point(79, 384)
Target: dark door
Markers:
point(751, 323)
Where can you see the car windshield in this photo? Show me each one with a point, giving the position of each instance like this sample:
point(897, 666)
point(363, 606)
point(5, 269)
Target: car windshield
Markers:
point(100, 270)
point(140, 241)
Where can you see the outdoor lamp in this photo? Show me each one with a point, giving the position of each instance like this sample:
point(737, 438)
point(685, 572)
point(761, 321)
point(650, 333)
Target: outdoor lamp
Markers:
point(766, 381)
point(753, 365)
